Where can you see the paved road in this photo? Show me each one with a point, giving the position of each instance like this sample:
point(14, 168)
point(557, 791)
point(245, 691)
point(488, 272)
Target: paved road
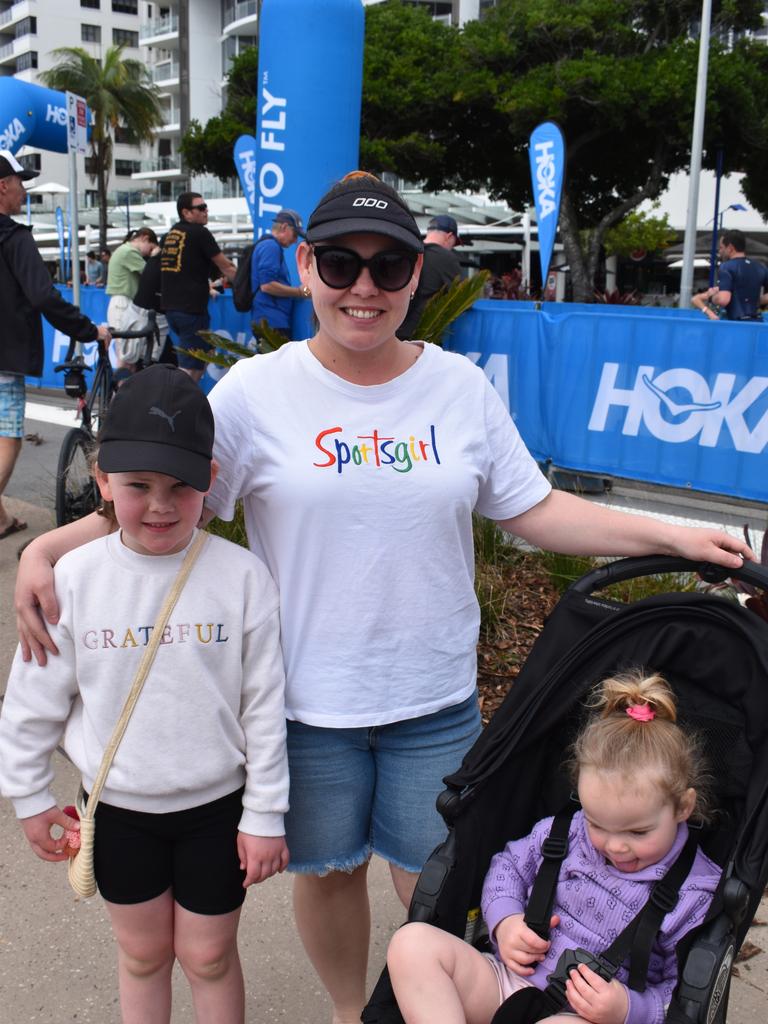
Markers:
point(34, 477)
point(56, 955)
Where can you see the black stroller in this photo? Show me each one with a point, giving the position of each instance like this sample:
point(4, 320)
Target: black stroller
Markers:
point(714, 653)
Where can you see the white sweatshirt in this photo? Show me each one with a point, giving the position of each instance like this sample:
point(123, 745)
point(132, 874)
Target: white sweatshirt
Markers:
point(210, 717)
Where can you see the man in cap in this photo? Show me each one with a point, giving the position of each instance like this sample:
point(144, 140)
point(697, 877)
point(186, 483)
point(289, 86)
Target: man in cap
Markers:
point(190, 257)
point(273, 293)
point(26, 291)
point(441, 267)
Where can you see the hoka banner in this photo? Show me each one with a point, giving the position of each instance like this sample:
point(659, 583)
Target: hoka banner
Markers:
point(658, 395)
point(651, 394)
point(245, 163)
point(547, 156)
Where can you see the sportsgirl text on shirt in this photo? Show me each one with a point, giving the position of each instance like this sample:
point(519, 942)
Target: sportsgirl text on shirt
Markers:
point(382, 451)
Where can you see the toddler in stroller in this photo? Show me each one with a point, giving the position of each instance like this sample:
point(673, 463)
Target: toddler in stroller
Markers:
point(714, 655)
point(639, 779)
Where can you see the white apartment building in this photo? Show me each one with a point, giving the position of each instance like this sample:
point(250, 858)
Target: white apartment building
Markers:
point(450, 12)
point(188, 46)
point(31, 29)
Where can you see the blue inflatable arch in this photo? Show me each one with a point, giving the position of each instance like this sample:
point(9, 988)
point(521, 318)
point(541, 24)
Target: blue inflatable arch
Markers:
point(31, 115)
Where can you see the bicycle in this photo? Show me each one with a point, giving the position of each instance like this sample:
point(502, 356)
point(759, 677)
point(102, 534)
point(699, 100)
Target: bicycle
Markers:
point(77, 494)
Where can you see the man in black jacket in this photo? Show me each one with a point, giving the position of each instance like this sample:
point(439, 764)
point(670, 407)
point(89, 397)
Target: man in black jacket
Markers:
point(26, 291)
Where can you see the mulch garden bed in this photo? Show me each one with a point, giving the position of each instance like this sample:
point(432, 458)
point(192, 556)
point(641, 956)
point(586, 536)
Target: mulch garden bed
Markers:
point(529, 596)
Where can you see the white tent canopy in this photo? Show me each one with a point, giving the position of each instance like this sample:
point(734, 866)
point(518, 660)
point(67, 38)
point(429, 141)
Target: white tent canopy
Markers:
point(49, 188)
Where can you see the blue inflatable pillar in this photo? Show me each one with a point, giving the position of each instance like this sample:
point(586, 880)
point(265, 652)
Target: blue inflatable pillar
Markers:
point(308, 112)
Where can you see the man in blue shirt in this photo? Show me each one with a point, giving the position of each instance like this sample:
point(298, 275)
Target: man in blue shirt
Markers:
point(273, 293)
point(741, 281)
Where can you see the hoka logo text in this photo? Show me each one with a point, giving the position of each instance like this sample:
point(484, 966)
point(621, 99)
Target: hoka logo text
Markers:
point(545, 178)
point(679, 405)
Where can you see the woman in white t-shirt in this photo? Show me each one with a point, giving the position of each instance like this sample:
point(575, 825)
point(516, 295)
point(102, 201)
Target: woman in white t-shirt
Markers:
point(360, 459)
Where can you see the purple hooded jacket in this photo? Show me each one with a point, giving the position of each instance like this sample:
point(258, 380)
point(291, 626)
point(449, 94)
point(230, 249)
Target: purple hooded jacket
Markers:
point(596, 902)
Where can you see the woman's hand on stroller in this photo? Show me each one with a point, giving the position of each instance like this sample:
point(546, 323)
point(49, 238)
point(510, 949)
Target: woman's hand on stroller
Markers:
point(701, 544)
point(594, 999)
point(520, 946)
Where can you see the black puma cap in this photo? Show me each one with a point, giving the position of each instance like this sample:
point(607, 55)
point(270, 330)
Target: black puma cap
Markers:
point(159, 421)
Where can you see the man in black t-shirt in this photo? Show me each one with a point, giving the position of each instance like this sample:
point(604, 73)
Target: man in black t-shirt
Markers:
point(189, 258)
point(742, 282)
point(441, 267)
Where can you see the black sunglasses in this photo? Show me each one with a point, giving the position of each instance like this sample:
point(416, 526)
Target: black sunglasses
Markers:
point(200, 206)
point(340, 268)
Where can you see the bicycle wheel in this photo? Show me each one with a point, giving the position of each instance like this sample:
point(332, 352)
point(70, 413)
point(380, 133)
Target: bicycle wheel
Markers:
point(76, 492)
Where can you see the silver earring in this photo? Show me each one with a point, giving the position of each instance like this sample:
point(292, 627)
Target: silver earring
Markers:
point(412, 295)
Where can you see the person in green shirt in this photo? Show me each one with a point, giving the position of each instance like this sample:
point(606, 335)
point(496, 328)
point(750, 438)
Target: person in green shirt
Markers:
point(123, 273)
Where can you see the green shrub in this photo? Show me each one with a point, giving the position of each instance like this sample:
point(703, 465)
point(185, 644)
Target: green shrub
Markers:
point(234, 530)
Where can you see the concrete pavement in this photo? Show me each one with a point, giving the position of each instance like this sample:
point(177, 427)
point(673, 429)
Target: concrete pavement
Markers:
point(57, 959)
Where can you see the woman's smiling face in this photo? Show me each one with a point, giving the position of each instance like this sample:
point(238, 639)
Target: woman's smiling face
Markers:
point(362, 317)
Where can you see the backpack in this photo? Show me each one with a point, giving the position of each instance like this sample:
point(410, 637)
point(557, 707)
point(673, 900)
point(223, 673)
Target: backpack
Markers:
point(242, 289)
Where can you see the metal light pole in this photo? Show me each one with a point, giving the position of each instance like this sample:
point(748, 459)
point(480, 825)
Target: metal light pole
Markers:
point(689, 247)
point(74, 227)
point(718, 218)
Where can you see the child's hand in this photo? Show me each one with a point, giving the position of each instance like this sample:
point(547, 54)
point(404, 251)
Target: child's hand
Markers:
point(519, 946)
point(594, 999)
point(261, 856)
point(37, 829)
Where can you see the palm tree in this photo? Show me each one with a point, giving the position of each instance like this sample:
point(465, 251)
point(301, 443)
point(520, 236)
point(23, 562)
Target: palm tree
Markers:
point(119, 93)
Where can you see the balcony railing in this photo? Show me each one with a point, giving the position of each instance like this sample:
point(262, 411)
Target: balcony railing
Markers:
point(160, 163)
point(237, 11)
point(171, 119)
point(159, 27)
point(18, 10)
point(165, 72)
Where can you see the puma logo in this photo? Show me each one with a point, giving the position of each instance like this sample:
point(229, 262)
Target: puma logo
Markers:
point(154, 411)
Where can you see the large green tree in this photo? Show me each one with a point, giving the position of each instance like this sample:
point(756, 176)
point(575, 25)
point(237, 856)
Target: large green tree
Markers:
point(119, 91)
point(454, 108)
point(617, 75)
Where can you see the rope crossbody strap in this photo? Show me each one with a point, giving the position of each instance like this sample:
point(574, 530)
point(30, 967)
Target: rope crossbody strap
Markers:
point(144, 666)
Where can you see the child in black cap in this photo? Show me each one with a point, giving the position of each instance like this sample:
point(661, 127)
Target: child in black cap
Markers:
point(192, 810)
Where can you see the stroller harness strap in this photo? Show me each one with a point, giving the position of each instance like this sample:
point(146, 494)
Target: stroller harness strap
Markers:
point(636, 940)
point(554, 850)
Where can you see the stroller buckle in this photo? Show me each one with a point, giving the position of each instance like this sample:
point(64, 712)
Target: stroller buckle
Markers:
point(570, 960)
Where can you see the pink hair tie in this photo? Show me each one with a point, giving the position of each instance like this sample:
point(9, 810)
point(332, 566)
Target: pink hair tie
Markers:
point(641, 712)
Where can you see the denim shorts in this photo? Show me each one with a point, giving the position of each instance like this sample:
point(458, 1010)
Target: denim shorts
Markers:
point(12, 408)
point(360, 791)
point(185, 326)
